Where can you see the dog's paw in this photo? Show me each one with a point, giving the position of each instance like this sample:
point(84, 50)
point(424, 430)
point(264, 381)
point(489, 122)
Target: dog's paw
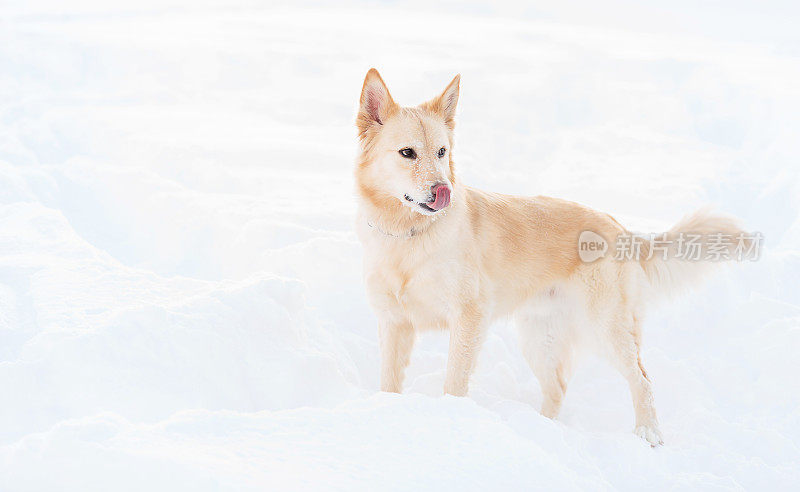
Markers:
point(649, 433)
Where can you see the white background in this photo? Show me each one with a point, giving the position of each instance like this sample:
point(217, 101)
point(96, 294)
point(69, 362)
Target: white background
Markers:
point(181, 305)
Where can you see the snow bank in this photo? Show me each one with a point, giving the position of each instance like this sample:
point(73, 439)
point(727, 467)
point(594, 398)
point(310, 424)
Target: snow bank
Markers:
point(181, 304)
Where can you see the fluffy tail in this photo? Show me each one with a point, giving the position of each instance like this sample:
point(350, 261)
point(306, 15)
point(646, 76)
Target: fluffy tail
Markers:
point(700, 241)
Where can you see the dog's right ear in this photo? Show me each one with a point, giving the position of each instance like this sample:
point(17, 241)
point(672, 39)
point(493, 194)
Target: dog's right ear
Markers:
point(376, 103)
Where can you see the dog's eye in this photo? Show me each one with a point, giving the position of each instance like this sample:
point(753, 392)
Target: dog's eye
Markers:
point(408, 153)
point(442, 151)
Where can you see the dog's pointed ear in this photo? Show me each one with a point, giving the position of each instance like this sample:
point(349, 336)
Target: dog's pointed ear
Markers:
point(376, 102)
point(445, 104)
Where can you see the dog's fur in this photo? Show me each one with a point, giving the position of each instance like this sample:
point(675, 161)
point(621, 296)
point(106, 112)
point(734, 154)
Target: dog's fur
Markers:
point(488, 255)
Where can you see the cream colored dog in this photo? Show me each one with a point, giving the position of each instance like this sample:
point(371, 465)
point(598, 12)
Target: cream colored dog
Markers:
point(441, 255)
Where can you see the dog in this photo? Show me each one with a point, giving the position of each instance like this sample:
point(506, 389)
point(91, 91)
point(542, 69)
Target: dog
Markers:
point(441, 255)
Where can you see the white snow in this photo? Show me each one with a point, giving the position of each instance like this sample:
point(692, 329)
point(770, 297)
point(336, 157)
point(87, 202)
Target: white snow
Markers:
point(181, 306)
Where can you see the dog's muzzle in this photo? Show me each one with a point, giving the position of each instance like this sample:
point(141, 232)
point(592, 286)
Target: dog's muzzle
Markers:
point(441, 196)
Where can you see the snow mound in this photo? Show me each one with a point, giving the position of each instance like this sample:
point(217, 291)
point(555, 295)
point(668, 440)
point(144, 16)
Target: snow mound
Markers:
point(173, 316)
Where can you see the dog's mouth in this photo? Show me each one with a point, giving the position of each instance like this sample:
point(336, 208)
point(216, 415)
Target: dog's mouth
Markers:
point(439, 199)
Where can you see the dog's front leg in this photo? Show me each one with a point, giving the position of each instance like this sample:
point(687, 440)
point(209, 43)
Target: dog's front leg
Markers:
point(466, 336)
point(396, 341)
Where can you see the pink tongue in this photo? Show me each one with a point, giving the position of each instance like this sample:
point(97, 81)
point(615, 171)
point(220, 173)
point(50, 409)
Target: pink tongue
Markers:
point(442, 199)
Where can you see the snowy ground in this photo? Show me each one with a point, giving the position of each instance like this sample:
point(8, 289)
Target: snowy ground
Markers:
point(181, 305)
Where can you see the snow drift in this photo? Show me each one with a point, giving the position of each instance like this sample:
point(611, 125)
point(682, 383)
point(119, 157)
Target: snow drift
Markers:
point(174, 317)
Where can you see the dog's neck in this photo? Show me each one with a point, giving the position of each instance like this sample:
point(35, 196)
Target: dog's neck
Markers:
point(407, 235)
point(386, 215)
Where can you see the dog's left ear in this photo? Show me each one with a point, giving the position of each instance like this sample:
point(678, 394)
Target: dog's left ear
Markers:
point(445, 104)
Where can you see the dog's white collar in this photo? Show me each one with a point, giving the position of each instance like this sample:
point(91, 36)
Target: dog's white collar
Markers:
point(408, 235)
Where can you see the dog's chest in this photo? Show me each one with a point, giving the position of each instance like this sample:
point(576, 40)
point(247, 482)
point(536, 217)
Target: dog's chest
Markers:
point(420, 288)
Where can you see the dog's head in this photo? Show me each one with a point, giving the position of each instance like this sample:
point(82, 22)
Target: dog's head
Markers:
point(407, 151)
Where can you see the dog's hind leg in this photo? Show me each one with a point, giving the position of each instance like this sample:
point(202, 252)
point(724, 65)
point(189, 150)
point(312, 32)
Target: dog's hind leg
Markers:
point(623, 352)
point(396, 342)
point(545, 338)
